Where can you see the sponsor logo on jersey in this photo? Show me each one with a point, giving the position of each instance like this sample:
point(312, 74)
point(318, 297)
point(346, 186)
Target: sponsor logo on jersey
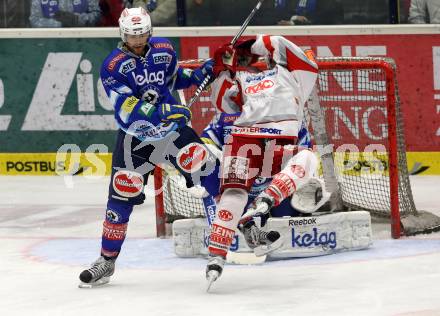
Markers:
point(227, 131)
point(151, 94)
point(144, 129)
point(109, 81)
point(225, 215)
point(303, 221)
point(263, 85)
point(112, 216)
point(152, 77)
point(162, 58)
point(163, 45)
point(260, 76)
point(256, 130)
point(192, 157)
point(233, 247)
point(111, 65)
point(325, 239)
point(129, 104)
point(236, 170)
point(127, 66)
point(221, 235)
point(282, 185)
point(114, 231)
point(230, 119)
point(146, 109)
point(128, 183)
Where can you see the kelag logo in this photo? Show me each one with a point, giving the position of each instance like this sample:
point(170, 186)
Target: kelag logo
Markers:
point(325, 239)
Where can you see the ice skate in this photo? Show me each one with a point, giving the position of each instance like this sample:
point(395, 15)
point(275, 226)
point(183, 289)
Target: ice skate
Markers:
point(214, 269)
point(262, 205)
point(98, 274)
point(260, 241)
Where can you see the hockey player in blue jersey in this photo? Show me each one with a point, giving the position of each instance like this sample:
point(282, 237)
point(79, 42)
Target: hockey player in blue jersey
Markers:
point(139, 77)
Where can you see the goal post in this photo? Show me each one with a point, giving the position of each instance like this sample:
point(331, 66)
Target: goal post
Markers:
point(387, 68)
point(355, 118)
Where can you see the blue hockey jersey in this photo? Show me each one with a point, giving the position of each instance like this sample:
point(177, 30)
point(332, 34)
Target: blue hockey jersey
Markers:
point(136, 85)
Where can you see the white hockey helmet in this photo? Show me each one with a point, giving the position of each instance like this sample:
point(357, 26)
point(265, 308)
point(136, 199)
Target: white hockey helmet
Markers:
point(134, 21)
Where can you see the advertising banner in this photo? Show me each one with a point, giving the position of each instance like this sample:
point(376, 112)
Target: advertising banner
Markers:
point(51, 96)
point(418, 73)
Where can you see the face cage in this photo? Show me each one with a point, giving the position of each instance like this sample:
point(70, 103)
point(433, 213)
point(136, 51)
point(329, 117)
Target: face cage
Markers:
point(124, 35)
point(245, 60)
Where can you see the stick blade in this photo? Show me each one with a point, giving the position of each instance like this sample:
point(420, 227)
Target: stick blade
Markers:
point(244, 258)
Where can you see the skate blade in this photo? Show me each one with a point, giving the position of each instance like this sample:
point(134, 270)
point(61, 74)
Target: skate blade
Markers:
point(211, 279)
point(266, 249)
point(244, 258)
point(98, 283)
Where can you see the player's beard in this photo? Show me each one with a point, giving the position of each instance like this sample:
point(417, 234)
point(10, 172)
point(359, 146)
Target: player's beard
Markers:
point(138, 49)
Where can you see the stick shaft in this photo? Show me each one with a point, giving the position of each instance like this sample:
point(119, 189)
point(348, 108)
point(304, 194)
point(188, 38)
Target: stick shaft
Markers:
point(233, 41)
point(246, 22)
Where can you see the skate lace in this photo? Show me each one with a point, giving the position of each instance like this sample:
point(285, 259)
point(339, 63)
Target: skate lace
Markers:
point(254, 235)
point(100, 268)
point(263, 235)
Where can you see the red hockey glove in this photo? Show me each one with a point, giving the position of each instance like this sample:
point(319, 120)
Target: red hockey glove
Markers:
point(224, 59)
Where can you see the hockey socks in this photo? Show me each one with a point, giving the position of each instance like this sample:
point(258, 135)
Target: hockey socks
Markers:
point(230, 208)
point(115, 227)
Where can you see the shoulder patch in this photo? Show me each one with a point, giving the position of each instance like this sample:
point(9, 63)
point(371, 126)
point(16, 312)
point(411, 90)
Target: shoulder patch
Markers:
point(163, 45)
point(146, 109)
point(111, 65)
point(129, 104)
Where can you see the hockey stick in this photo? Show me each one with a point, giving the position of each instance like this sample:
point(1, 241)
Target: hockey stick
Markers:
point(164, 129)
point(233, 41)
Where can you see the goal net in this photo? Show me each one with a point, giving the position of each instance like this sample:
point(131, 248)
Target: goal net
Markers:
point(354, 117)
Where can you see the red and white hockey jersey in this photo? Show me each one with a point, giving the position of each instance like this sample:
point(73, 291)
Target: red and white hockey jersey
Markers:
point(271, 101)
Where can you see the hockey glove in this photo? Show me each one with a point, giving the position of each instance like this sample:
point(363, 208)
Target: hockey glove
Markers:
point(200, 73)
point(66, 18)
point(224, 59)
point(175, 113)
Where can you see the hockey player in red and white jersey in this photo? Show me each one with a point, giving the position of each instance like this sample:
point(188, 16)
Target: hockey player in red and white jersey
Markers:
point(265, 135)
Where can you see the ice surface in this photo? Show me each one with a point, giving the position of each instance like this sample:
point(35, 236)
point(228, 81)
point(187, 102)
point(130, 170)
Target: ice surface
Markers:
point(50, 229)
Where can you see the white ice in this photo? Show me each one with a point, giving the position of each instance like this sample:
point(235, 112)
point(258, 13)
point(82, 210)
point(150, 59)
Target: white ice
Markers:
point(50, 230)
